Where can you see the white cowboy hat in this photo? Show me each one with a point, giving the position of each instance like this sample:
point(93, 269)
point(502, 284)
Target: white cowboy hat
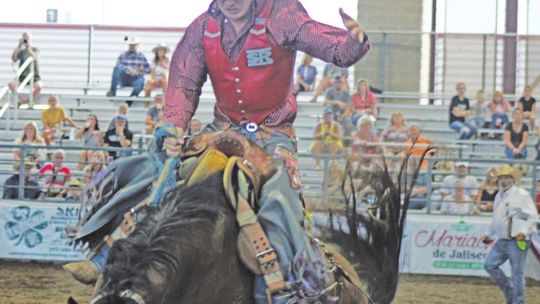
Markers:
point(132, 39)
point(161, 45)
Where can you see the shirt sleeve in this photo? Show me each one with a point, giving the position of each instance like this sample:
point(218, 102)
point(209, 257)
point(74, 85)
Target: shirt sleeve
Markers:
point(187, 74)
point(293, 28)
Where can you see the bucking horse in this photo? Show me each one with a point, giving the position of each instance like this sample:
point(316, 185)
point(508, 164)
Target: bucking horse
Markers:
point(185, 249)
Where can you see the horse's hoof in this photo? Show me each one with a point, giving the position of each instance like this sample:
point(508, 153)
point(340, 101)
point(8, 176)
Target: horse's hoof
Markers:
point(85, 272)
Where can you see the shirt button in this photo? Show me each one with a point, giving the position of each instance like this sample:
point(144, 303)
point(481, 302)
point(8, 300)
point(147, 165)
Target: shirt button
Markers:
point(243, 112)
point(240, 102)
point(238, 91)
point(236, 69)
point(237, 80)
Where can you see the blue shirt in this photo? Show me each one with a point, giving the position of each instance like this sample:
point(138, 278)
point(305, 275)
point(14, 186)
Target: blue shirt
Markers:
point(133, 60)
point(307, 73)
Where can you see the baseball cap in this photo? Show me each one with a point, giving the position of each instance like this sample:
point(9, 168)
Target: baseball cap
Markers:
point(462, 163)
point(120, 118)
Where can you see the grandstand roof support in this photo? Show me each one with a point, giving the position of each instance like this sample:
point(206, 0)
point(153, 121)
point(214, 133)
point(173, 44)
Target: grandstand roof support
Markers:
point(510, 47)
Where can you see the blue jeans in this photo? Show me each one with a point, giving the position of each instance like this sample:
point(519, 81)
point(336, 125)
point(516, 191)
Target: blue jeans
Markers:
point(479, 122)
point(510, 155)
point(101, 257)
point(503, 250)
point(458, 126)
point(498, 116)
point(123, 79)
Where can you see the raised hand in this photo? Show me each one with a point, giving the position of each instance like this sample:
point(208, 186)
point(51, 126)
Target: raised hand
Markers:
point(352, 25)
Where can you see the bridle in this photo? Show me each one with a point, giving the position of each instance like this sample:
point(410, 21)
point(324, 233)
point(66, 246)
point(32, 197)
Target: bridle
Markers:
point(125, 294)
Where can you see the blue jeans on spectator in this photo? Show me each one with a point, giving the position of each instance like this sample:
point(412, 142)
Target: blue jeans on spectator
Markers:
point(503, 250)
point(123, 79)
point(479, 122)
point(458, 126)
point(503, 120)
point(510, 154)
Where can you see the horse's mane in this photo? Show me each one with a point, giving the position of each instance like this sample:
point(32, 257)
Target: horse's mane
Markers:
point(150, 256)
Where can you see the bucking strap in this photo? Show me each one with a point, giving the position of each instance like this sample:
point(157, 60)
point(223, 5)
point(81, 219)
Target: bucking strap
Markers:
point(255, 250)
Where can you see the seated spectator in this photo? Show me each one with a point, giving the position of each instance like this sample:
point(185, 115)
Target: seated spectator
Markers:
point(32, 188)
point(195, 127)
point(338, 100)
point(54, 175)
point(72, 191)
point(417, 144)
point(306, 75)
point(154, 115)
point(32, 138)
point(21, 53)
point(159, 73)
point(516, 136)
point(363, 102)
point(487, 191)
point(460, 110)
point(130, 69)
point(527, 104)
point(419, 191)
point(53, 119)
point(365, 142)
point(458, 203)
point(330, 72)
point(327, 138)
point(395, 133)
point(118, 137)
point(91, 137)
point(498, 107)
point(95, 168)
point(481, 115)
point(122, 110)
point(470, 182)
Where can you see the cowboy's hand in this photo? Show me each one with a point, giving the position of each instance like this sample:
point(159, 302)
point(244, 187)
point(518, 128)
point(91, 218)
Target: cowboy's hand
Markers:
point(352, 26)
point(485, 239)
point(173, 145)
point(520, 236)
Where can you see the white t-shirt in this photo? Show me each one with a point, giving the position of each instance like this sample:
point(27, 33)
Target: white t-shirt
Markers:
point(450, 206)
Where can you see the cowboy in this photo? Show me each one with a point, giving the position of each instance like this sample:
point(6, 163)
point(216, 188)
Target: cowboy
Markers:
point(513, 222)
point(248, 48)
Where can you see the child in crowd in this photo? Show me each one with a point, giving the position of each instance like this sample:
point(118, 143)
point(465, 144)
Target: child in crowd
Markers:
point(481, 115)
point(528, 105)
point(498, 107)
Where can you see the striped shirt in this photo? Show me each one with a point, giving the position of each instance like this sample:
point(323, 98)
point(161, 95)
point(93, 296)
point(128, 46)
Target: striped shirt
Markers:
point(289, 27)
point(133, 60)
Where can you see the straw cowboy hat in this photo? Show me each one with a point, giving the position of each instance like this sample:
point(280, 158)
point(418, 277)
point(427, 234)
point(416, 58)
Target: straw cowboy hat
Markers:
point(132, 39)
point(29, 162)
point(161, 45)
point(506, 170)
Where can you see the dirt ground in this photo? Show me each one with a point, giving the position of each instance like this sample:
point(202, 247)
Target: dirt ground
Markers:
point(46, 283)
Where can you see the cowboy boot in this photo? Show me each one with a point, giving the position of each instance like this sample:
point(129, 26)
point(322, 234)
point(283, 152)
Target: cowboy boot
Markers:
point(85, 271)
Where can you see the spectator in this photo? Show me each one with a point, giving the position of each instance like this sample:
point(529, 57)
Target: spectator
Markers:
point(327, 138)
point(159, 73)
point(365, 141)
point(32, 138)
point(498, 107)
point(419, 191)
point(306, 75)
point(516, 136)
point(527, 104)
point(417, 144)
point(458, 203)
point(31, 187)
point(195, 127)
point(487, 191)
point(363, 102)
point(91, 137)
point(118, 137)
point(130, 69)
point(460, 110)
point(330, 72)
point(338, 100)
point(72, 191)
point(154, 115)
point(55, 175)
point(122, 110)
point(470, 183)
point(53, 118)
point(396, 133)
point(514, 220)
point(481, 115)
point(95, 168)
point(22, 52)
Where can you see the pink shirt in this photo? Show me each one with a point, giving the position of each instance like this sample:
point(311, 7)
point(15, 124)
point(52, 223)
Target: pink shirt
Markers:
point(289, 27)
point(362, 104)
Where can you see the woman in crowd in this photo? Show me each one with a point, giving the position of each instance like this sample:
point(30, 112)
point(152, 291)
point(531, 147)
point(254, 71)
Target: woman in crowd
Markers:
point(516, 135)
point(487, 191)
point(91, 137)
point(458, 203)
point(498, 107)
point(363, 102)
point(327, 138)
point(159, 73)
point(95, 167)
point(32, 138)
point(395, 134)
point(306, 75)
point(365, 142)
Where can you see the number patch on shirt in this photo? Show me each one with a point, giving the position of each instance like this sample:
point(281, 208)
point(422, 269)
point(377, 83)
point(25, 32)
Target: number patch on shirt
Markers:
point(259, 57)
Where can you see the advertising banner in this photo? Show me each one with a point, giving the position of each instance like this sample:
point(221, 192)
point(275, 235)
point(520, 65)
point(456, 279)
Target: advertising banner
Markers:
point(35, 231)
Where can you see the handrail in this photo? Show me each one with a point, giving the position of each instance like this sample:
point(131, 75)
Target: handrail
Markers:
point(26, 63)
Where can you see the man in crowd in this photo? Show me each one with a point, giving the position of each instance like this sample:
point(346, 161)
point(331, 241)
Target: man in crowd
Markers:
point(460, 110)
point(53, 119)
point(21, 53)
point(513, 222)
point(55, 175)
point(32, 189)
point(248, 49)
point(118, 137)
point(130, 69)
point(339, 100)
point(154, 115)
point(329, 73)
point(462, 173)
point(123, 109)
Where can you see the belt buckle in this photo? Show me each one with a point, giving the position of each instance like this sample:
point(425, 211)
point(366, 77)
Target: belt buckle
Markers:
point(250, 129)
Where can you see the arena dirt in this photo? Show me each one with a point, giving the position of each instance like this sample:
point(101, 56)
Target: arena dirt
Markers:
point(46, 283)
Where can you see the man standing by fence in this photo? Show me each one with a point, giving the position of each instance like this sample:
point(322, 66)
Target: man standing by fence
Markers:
point(514, 220)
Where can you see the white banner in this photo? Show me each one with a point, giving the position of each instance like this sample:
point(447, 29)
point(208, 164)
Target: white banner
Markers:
point(35, 231)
